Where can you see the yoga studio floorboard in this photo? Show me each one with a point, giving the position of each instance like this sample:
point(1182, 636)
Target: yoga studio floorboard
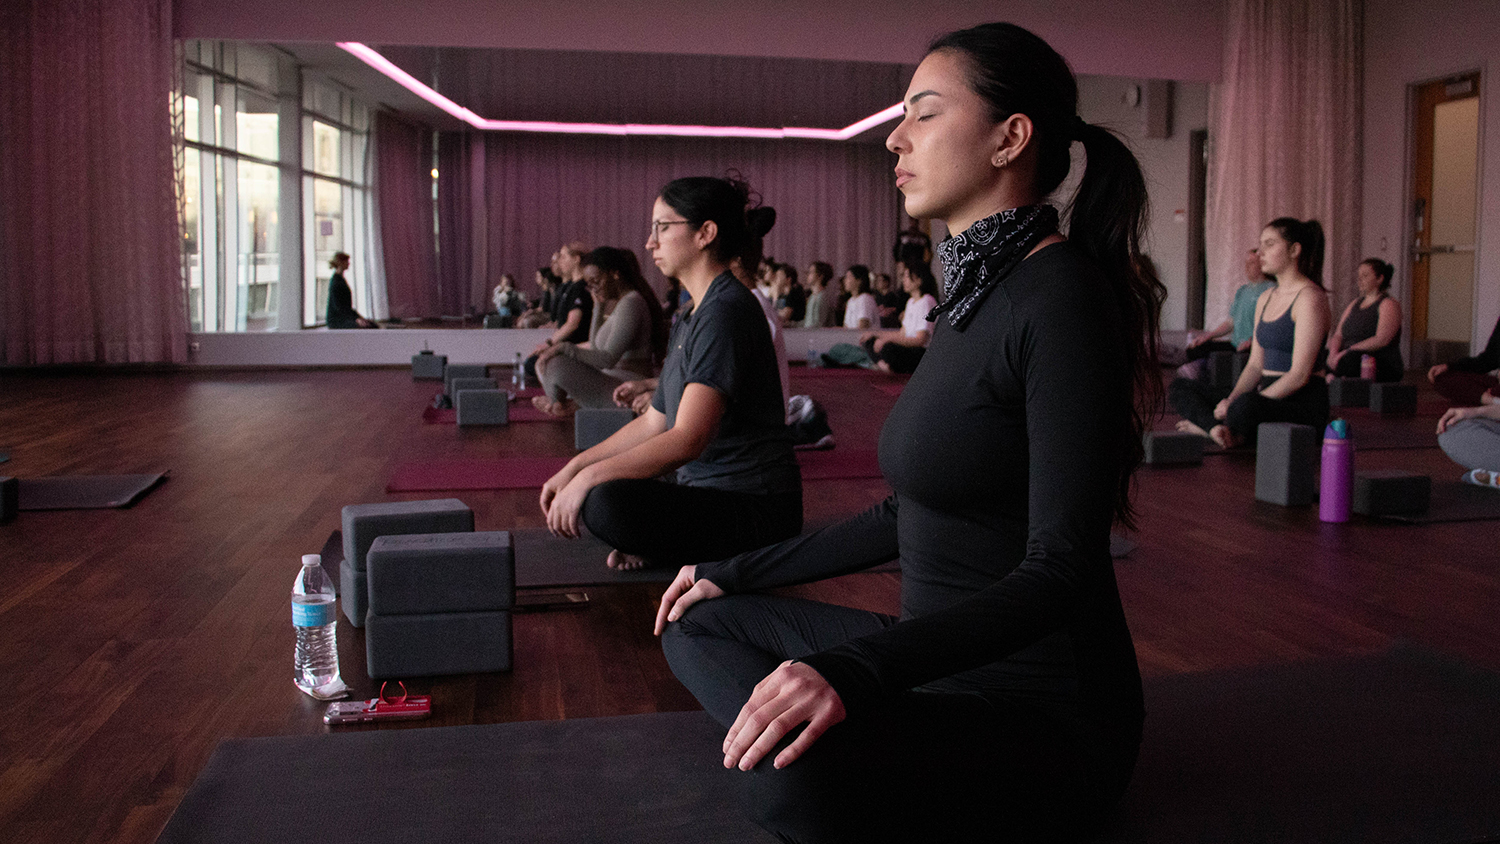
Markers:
point(133, 640)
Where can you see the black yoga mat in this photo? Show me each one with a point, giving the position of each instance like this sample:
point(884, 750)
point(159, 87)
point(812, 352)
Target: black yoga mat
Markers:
point(85, 492)
point(1398, 747)
point(1456, 501)
point(546, 560)
point(1401, 747)
point(635, 778)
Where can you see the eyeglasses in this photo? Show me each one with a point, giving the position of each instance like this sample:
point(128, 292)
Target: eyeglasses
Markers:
point(658, 226)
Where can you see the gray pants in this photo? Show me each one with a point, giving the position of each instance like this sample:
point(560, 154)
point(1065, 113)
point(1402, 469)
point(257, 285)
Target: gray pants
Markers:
point(1473, 443)
point(563, 377)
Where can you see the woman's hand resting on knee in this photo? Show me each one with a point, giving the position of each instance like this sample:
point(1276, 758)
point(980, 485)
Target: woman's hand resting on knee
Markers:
point(686, 590)
point(562, 499)
point(793, 694)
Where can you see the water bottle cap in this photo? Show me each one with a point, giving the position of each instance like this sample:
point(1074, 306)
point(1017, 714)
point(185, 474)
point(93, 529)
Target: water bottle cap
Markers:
point(312, 559)
point(1338, 429)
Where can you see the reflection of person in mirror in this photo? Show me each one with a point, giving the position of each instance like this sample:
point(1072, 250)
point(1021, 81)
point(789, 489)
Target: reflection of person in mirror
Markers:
point(341, 313)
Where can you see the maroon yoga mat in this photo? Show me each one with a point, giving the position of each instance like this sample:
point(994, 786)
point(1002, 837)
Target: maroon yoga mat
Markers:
point(532, 472)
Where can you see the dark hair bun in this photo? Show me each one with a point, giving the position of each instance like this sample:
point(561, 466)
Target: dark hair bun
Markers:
point(760, 220)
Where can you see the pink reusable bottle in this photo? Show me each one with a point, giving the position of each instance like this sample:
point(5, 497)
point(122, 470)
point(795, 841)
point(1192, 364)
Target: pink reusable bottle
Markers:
point(1338, 473)
point(1367, 367)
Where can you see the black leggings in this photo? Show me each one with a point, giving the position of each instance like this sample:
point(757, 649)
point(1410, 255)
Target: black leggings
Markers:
point(901, 359)
point(669, 524)
point(1196, 401)
point(919, 766)
point(1307, 406)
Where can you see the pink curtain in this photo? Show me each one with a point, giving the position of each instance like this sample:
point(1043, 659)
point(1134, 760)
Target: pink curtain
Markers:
point(404, 176)
point(455, 237)
point(1286, 134)
point(835, 202)
point(90, 244)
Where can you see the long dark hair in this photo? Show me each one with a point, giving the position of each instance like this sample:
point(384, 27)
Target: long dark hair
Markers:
point(623, 264)
point(914, 265)
point(1309, 235)
point(1018, 73)
point(724, 201)
point(1383, 271)
point(861, 274)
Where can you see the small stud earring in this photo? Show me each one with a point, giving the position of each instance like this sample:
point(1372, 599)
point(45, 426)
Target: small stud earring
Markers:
point(1001, 161)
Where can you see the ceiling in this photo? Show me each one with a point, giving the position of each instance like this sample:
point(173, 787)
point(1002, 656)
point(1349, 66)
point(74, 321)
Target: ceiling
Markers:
point(603, 87)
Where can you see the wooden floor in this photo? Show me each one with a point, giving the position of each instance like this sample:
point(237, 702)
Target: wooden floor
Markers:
point(132, 641)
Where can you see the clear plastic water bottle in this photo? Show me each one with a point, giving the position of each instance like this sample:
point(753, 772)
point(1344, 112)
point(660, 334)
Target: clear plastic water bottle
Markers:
point(313, 616)
point(518, 373)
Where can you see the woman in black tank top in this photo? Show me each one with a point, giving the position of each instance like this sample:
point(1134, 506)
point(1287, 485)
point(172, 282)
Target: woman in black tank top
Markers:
point(1370, 325)
point(1278, 383)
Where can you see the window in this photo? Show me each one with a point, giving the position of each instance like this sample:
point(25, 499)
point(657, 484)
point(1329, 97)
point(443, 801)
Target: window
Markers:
point(262, 210)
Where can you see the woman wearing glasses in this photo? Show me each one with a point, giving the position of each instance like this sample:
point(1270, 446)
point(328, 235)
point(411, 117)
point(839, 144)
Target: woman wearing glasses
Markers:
point(1004, 703)
point(717, 416)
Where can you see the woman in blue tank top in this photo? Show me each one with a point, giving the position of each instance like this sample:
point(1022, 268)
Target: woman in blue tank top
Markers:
point(1291, 326)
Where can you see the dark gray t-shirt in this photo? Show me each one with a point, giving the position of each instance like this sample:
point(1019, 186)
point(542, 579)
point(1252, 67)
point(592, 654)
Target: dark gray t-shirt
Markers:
point(725, 343)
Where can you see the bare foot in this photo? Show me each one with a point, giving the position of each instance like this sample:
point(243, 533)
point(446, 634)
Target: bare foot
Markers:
point(566, 407)
point(620, 561)
point(1187, 426)
point(1222, 435)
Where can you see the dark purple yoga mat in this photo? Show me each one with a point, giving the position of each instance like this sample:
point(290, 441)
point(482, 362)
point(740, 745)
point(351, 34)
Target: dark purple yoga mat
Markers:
point(520, 411)
point(85, 492)
point(532, 472)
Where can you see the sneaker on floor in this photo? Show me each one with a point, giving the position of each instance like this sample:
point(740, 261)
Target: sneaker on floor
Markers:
point(1482, 477)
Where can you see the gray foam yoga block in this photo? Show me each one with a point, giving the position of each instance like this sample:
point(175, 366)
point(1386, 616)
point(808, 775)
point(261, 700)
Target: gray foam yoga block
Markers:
point(594, 425)
point(10, 499)
point(442, 572)
point(1391, 491)
point(1348, 392)
point(1169, 447)
point(462, 370)
point(1393, 399)
point(482, 407)
point(1286, 463)
point(427, 366)
point(458, 385)
point(364, 522)
point(353, 593)
point(1220, 368)
point(437, 643)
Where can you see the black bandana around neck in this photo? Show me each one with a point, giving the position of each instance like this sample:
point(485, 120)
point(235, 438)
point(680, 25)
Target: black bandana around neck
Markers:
point(976, 260)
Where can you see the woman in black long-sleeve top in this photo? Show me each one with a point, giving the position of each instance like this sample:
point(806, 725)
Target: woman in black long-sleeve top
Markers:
point(1005, 700)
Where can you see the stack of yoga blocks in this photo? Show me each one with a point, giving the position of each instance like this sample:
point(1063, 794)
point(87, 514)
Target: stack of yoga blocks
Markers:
point(440, 603)
point(364, 523)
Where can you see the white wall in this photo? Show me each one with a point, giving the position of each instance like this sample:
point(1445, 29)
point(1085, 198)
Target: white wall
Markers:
point(1166, 165)
point(1408, 43)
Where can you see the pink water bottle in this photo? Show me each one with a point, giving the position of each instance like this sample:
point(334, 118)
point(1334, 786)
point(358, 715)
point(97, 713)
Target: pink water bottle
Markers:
point(1367, 367)
point(1338, 473)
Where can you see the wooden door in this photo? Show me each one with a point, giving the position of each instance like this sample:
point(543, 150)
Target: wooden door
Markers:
point(1445, 167)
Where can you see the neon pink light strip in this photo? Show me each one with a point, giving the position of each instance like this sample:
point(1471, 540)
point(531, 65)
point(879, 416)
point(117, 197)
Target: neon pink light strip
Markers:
point(411, 83)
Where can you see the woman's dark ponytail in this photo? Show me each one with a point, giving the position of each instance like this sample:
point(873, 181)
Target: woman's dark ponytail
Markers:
point(1107, 220)
point(1383, 271)
point(1307, 234)
point(1018, 73)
